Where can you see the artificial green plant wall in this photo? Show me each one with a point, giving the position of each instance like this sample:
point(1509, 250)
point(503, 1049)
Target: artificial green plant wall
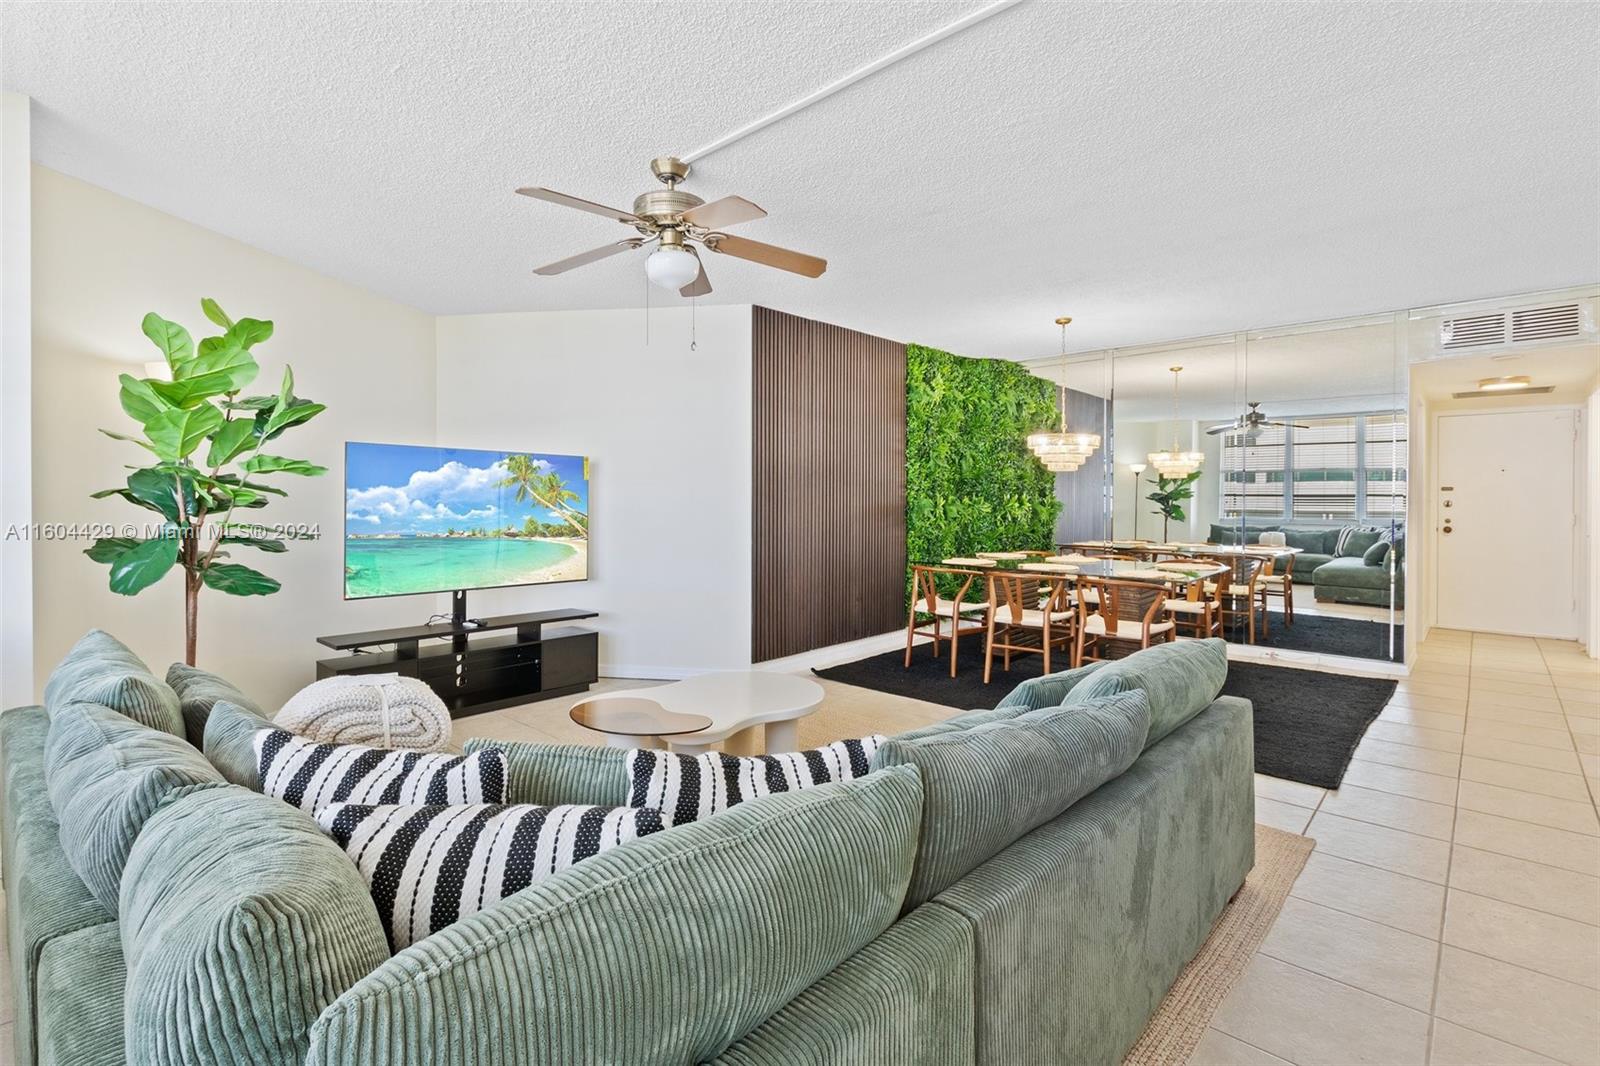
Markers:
point(971, 483)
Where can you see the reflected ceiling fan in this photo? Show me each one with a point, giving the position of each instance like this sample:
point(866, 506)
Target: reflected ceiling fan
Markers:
point(674, 221)
point(1251, 424)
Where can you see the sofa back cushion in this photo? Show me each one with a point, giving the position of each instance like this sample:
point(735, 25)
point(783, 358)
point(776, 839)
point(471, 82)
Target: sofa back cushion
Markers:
point(1181, 679)
point(230, 743)
point(1308, 540)
point(1051, 690)
point(553, 774)
point(198, 692)
point(987, 786)
point(240, 922)
point(101, 669)
point(694, 936)
point(106, 775)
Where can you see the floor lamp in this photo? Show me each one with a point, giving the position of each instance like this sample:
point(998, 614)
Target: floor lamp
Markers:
point(1137, 468)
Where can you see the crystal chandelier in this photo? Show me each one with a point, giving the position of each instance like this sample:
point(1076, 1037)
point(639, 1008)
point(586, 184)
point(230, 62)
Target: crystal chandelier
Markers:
point(1175, 463)
point(1064, 451)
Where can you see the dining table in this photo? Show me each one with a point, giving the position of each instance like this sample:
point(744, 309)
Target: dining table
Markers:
point(1152, 548)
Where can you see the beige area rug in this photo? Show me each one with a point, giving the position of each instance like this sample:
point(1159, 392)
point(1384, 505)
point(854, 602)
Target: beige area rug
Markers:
point(1184, 1016)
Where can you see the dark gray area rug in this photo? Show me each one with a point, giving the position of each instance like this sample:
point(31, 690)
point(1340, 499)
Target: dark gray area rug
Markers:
point(1307, 723)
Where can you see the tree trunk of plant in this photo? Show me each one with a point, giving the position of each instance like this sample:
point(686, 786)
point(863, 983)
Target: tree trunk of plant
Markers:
point(1165, 536)
point(191, 610)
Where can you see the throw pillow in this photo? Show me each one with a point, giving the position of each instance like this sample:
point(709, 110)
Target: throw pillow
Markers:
point(689, 787)
point(101, 669)
point(106, 775)
point(1375, 555)
point(1051, 690)
point(230, 742)
point(430, 866)
point(311, 776)
point(385, 710)
point(198, 692)
point(1354, 541)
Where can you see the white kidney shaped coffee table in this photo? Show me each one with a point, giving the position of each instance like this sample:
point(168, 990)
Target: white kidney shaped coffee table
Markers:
point(742, 705)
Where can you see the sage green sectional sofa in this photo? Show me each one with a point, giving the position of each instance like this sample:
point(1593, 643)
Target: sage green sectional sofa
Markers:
point(1358, 574)
point(1013, 886)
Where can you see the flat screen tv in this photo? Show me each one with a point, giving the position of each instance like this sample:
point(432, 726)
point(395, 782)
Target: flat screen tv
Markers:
point(424, 519)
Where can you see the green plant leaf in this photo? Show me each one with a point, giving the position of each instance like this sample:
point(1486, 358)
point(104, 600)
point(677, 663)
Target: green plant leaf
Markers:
point(178, 432)
point(215, 313)
point(230, 441)
point(131, 440)
point(237, 580)
point(249, 331)
point(277, 464)
point(173, 340)
point(281, 418)
point(143, 565)
point(139, 400)
point(227, 368)
point(156, 490)
point(107, 549)
point(263, 543)
point(252, 403)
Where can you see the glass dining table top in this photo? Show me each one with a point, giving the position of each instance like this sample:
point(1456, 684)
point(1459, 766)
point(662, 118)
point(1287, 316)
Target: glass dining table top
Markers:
point(1145, 547)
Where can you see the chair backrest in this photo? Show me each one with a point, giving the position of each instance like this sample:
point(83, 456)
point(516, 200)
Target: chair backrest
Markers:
point(1246, 568)
point(1219, 584)
point(1129, 601)
point(1013, 593)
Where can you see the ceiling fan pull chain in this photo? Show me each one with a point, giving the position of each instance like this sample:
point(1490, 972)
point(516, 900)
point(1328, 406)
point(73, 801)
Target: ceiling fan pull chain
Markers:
point(694, 306)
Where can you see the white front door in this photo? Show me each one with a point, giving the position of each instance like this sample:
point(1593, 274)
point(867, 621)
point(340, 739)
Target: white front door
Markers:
point(1505, 527)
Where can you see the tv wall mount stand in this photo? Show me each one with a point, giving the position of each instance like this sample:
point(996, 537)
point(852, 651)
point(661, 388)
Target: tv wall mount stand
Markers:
point(478, 665)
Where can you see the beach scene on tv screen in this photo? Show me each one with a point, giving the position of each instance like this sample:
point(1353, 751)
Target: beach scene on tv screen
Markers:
point(425, 519)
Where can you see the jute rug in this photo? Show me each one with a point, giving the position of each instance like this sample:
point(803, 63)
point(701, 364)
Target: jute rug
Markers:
point(1184, 1016)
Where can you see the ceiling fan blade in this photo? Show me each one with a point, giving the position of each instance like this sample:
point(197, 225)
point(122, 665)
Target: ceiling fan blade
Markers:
point(719, 214)
point(1225, 427)
point(767, 254)
point(561, 266)
point(551, 196)
point(701, 285)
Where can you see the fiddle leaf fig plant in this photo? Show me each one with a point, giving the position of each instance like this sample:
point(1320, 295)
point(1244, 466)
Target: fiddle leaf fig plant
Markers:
point(1170, 494)
point(207, 442)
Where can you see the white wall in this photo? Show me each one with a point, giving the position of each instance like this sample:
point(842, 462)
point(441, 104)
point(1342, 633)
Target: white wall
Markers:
point(1591, 531)
point(16, 421)
point(102, 261)
point(668, 433)
point(1134, 441)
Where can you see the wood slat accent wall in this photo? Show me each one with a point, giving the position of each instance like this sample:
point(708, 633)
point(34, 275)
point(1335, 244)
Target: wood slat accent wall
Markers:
point(829, 508)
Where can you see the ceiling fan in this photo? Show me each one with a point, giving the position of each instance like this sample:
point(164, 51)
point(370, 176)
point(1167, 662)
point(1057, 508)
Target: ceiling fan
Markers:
point(674, 221)
point(1251, 423)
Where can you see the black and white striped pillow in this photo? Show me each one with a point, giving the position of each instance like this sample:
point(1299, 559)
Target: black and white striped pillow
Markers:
point(430, 866)
point(686, 788)
point(310, 776)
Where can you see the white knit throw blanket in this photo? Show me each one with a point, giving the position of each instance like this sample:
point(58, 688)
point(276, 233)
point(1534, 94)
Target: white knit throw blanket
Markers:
point(379, 710)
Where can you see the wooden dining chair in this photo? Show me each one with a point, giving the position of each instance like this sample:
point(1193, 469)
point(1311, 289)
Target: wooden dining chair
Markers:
point(1125, 614)
point(1025, 616)
point(925, 600)
point(1243, 595)
point(1200, 608)
point(1279, 586)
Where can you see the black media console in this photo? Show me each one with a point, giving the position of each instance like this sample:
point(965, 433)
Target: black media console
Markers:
point(478, 665)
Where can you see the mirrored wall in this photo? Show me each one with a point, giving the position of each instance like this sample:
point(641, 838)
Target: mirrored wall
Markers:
point(1278, 458)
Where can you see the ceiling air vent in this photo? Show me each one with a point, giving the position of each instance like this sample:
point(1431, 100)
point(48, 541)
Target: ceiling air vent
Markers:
point(1546, 323)
point(1528, 325)
point(1472, 331)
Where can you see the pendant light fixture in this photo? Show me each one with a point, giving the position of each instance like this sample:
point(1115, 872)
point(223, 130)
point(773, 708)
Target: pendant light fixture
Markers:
point(1063, 451)
point(1175, 463)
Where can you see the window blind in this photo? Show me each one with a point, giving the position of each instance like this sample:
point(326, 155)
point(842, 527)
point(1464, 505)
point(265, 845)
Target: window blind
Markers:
point(1385, 465)
point(1325, 468)
point(1252, 473)
point(1349, 468)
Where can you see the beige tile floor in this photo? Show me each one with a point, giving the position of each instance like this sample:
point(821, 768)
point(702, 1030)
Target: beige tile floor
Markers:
point(1451, 911)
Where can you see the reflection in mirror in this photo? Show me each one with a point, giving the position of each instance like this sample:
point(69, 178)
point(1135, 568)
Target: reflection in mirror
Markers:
point(1301, 436)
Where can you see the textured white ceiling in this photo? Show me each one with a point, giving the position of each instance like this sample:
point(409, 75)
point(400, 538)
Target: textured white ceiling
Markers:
point(1156, 170)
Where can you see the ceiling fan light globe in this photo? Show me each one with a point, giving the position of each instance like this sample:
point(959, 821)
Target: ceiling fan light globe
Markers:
point(671, 268)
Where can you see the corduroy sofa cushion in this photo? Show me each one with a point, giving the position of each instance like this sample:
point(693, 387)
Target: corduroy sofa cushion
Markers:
point(1051, 690)
point(101, 669)
point(230, 743)
point(1181, 679)
point(663, 951)
point(973, 806)
point(240, 922)
point(106, 775)
point(198, 692)
point(552, 774)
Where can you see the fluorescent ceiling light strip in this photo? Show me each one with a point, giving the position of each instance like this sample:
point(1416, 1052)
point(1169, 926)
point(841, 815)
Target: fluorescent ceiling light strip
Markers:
point(972, 18)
